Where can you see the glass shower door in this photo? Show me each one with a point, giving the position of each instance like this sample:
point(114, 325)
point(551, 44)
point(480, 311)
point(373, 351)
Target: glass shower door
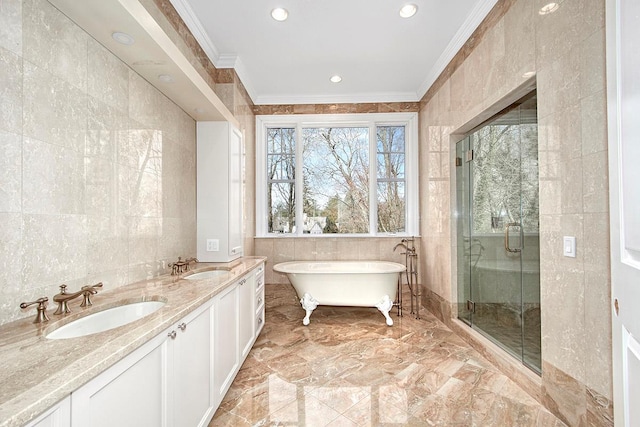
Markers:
point(498, 255)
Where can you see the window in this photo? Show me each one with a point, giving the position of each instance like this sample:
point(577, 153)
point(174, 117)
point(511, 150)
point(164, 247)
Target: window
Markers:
point(337, 175)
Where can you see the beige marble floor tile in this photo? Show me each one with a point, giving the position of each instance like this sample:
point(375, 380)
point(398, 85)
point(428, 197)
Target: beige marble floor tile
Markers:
point(347, 368)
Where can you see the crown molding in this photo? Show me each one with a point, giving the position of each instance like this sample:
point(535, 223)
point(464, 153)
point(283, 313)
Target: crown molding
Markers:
point(193, 23)
point(472, 22)
point(226, 60)
point(337, 99)
point(219, 60)
point(243, 75)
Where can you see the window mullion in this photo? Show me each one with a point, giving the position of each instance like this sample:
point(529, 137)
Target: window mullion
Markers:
point(373, 179)
point(299, 182)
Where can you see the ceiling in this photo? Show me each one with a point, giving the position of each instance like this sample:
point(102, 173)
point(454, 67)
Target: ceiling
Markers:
point(380, 56)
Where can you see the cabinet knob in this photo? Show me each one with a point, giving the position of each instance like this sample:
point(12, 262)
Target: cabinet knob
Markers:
point(259, 320)
point(172, 335)
point(182, 326)
point(259, 300)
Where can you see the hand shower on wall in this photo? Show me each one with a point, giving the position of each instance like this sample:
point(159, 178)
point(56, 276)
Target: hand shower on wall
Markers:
point(410, 275)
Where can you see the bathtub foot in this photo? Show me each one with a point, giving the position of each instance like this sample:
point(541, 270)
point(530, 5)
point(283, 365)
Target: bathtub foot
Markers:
point(309, 304)
point(385, 307)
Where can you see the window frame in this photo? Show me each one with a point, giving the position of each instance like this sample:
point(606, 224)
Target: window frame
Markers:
point(369, 120)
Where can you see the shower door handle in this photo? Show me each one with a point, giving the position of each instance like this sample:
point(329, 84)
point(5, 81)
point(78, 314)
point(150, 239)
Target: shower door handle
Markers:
point(506, 237)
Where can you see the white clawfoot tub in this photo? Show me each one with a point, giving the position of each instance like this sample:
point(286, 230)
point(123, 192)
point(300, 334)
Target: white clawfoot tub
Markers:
point(344, 283)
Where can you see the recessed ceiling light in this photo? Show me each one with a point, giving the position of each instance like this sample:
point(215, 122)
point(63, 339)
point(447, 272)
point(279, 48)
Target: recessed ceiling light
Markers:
point(336, 79)
point(279, 14)
point(165, 78)
point(548, 8)
point(408, 10)
point(123, 38)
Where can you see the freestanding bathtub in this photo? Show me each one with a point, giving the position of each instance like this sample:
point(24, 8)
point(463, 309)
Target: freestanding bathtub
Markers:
point(344, 283)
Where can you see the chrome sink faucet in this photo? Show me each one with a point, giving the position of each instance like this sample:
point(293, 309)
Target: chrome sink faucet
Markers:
point(63, 297)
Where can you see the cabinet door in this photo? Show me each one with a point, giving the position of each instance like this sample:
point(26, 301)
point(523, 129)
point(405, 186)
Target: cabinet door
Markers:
point(57, 416)
point(235, 193)
point(131, 393)
point(247, 291)
point(192, 365)
point(225, 346)
point(259, 301)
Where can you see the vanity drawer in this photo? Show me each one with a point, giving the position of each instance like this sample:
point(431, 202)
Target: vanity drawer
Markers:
point(259, 299)
point(259, 320)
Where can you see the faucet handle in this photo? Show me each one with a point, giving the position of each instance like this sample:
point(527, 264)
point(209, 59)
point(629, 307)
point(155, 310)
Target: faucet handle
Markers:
point(41, 315)
point(88, 291)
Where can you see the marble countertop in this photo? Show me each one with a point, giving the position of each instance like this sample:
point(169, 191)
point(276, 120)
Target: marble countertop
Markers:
point(36, 372)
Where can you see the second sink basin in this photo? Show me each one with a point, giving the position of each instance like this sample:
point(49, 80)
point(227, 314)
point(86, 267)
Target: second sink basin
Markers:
point(106, 319)
point(206, 274)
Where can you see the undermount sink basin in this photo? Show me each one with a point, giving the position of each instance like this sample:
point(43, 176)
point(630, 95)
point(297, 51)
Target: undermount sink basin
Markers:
point(106, 319)
point(206, 274)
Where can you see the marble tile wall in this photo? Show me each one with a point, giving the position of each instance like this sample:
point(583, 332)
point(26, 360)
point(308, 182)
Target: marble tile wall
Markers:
point(566, 52)
point(97, 168)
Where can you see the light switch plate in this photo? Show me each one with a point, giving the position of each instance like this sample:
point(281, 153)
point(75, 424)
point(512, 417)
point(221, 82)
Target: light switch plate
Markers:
point(213, 245)
point(569, 246)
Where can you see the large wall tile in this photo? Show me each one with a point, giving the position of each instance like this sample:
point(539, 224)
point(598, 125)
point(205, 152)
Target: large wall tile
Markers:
point(10, 172)
point(595, 182)
point(53, 179)
point(178, 183)
point(11, 261)
point(107, 131)
point(108, 78)
point(54, 111)
point(593, 110)
point(11, 26)
point(145, 102)
point(53, 42)
point(11, 91)
point(592, 72)
point(54, 249)
point(106, 243)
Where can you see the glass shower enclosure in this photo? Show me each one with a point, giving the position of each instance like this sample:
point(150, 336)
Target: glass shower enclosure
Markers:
point(498, 251)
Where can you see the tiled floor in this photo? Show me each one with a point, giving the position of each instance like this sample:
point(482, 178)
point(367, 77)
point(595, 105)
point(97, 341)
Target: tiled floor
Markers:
point(347, 368)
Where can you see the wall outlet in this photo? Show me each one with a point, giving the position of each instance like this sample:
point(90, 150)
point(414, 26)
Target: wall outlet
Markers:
point(213, 245)
point(569, 246)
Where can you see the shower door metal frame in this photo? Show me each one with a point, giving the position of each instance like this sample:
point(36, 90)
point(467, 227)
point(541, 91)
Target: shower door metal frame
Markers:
point(470, 259)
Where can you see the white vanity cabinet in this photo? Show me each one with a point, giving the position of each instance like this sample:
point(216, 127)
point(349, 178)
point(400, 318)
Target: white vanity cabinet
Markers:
point(58, 415)
point(235, 329)
point(192, 389)
point(219, 192)
point(246, 330)
point(179, 377)
point(225, 341)
point(131, 393)
point(259, 300)
point(166, 382)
